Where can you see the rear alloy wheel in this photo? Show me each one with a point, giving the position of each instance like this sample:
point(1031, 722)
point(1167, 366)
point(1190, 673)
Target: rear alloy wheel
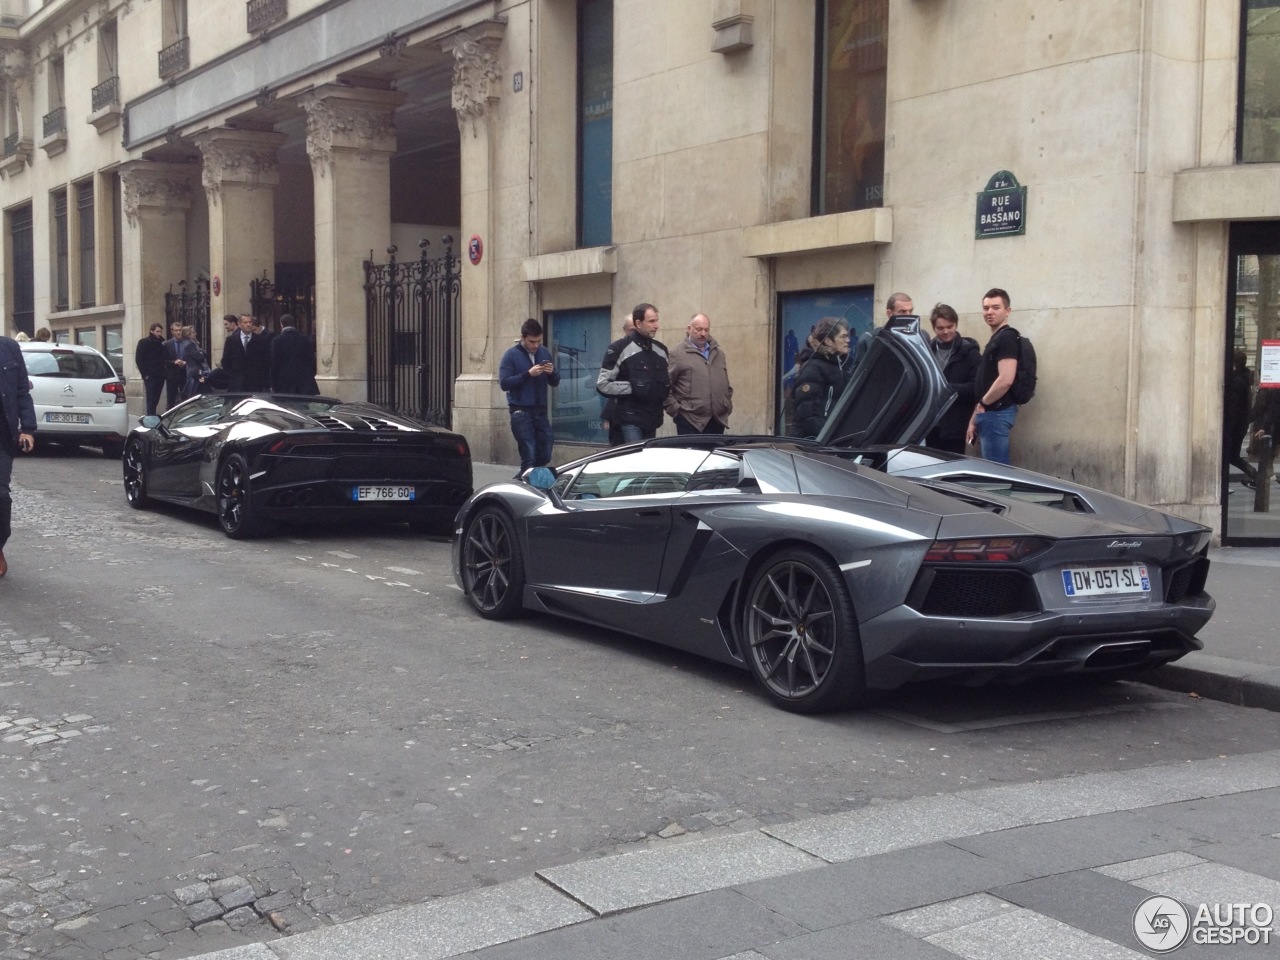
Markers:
point(492, 568)
point(801, 634)
point(235, 503)
point(135, 476)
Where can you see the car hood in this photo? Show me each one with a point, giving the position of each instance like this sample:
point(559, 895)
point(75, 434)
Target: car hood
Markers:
point(896, 393)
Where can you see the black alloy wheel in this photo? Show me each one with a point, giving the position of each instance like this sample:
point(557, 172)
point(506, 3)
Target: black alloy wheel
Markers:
point(492, 568)
point(135, 476)
point(235, 504)
point(801, 634)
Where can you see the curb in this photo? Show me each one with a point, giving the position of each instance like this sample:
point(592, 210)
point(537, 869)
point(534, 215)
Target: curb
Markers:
point(1237, 682)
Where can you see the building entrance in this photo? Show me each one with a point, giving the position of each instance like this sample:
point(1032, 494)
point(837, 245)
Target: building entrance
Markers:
point(1250, 491)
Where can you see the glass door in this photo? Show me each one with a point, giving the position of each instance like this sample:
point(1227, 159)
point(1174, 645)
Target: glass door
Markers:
point(1251, 400)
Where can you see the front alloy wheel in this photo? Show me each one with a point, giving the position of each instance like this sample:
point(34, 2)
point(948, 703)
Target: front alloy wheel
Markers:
point(801, 634)
point(135, 476)
point(492, 568)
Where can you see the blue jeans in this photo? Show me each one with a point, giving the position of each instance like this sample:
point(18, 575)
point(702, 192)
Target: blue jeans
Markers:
point(532, 430)
point(993, 428)
point(631, 433)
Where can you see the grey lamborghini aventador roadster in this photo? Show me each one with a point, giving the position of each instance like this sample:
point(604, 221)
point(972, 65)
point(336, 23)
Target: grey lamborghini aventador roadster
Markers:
point(835, 568)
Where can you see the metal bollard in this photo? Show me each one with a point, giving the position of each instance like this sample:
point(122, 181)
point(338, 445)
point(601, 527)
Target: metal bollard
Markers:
point(1266, 462)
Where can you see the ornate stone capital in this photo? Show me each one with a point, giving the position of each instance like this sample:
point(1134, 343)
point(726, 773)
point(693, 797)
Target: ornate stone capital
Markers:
point(349, 118)
point(246, 158)
point(15, 66)
point(164, 186)
point(477, 74)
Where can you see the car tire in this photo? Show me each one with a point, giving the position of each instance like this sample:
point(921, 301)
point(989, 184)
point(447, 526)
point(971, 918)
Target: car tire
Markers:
point(801, 636)
point(135, 476)
point(112, 449)
point(235, 500)
point(491, 564)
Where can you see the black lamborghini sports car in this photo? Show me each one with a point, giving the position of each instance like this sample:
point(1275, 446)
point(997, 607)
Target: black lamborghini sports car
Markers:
point(854, 563)
point(252, 459)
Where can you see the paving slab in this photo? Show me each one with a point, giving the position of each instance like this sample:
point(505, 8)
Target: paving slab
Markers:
point(866, 940)
point(628, 880)
point(1025, 935)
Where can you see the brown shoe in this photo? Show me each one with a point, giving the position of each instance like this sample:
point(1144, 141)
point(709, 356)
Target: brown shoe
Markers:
point(4, 564)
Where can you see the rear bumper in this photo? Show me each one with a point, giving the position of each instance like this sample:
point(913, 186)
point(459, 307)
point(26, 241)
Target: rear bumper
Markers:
point(435, 501)
point(902, 645)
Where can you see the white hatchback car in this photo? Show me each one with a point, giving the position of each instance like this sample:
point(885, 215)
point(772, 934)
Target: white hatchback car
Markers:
point(77, 395)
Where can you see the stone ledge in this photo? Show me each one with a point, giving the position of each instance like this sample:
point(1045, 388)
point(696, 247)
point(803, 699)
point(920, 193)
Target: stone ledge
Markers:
point(814, 234)
point(588, 262)
point(1246, 191)
point(108, 118)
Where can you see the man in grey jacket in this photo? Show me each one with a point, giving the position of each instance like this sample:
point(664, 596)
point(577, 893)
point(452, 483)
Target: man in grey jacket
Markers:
point(701, 398)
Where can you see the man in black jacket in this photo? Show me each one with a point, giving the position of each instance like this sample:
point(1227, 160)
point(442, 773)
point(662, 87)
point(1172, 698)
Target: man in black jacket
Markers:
point(959, 357)
point(293, 361)
point(152, 362)
point(247, 360)
point(17, 429)
point(634, 375)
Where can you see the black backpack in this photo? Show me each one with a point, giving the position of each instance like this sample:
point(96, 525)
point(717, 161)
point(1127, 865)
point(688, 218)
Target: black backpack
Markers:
point(1024, 382)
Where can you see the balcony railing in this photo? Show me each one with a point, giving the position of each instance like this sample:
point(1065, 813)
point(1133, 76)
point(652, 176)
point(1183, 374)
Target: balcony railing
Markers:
point(263, 13)
point(175, 58)
point(11, 144)
point(55, 121)
point(106, 93)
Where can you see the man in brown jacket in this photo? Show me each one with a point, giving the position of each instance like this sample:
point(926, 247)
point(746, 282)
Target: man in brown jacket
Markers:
point(701, 399)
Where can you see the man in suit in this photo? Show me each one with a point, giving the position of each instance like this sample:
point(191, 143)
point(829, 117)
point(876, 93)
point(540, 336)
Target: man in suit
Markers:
point(246, 360)
point(17, 429)
point(293, 361)
point(175, 366)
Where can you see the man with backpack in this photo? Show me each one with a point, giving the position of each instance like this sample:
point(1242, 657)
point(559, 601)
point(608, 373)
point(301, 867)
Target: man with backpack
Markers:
point(1000, 385)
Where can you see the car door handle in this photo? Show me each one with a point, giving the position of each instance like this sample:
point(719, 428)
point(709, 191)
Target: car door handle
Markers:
point(649, 514)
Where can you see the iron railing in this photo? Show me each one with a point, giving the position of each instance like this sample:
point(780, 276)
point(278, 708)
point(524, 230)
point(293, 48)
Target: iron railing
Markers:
point(55, 121)
point(191, 309)
point(292, 293)
point(263, 13)
point(175, 58)
point(11, 144)
point(414, 333)
point(106, 93)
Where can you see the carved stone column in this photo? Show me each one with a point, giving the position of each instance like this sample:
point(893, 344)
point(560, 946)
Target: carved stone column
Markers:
point(478, 404)
point(155, 198)
point(350, 140)
point(240, 176)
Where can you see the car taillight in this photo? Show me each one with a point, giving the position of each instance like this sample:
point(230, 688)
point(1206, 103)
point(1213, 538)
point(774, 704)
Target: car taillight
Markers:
point(985, 550)
point(115, 387)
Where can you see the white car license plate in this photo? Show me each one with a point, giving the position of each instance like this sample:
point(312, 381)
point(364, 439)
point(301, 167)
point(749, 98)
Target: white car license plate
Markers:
point(382, 493)
point(67, 418)
point(1099, 581)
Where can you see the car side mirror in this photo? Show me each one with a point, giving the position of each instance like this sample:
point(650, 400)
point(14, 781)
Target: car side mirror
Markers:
point(150, 421)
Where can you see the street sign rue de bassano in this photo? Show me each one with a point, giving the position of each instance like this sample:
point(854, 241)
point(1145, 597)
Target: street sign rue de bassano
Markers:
point(1002, 208)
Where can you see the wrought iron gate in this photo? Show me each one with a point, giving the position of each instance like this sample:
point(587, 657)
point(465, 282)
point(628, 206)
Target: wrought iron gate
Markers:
point(292, 293)
point(412, 313)
point(191, 309)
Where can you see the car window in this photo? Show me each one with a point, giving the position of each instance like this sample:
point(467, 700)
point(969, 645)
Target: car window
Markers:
point(67, 364)
point(718, 472)
point(643, 473)
point(198, 411)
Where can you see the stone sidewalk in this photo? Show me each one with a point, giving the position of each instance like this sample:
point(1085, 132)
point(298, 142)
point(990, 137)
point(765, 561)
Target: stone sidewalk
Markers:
point(1049, 869)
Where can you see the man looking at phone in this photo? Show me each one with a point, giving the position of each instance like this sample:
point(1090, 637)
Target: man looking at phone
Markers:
point(525, 374)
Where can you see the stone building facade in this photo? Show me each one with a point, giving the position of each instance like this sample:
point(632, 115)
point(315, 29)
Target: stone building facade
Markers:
point(762, 161)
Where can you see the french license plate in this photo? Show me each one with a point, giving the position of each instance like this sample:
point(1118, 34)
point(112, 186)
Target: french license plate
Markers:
point(1100, 581)
point(67, 418)
point(382, 493)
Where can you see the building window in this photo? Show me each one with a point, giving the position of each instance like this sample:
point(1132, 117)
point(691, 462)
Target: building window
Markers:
point(87, 336)
point(1259, 124)
point(595, 123)
point(850, 109)
point(61, 277)
point(113, 346)
point(22, 264)
point(798, 312)
point(577, 340)
point(107, 92)
point(175, 50)
point(88, 246)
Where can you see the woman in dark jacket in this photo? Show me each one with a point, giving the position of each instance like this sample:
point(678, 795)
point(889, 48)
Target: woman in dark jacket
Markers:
point(959, 357)
point(822, 378)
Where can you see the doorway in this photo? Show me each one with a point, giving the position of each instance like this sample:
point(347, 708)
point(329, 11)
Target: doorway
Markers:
point(1250, 493)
